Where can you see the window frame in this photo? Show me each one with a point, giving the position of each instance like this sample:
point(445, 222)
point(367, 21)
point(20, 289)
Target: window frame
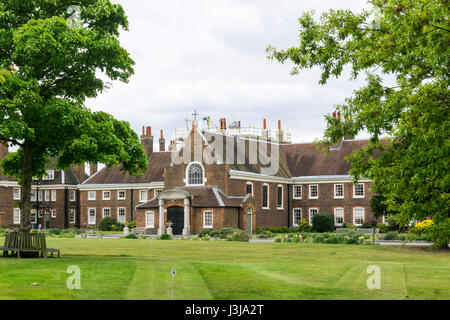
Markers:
point(204, 219)
point(47, 195)
point(294, 222)
point(124, 195)
point(268, 197)
point(309, 191)
point(187, 181)
point(293, 191)
point(363, 215)
point(33, 212)
point(249, 183)
point(336, 224)
point(363, 191)
point(53, 193)
point(157, 192)
point(74, 193)
point(309, 214)
point(89, 216)
point(147, 224)
point(16, 219)
point(53, 213)
point(103, 212)
point(14, 194)
point(103, 195)
point(140, 195)
point(336, 196)
point(278, 197)
point(92, 198)
point(74, 216)
point(124, 214)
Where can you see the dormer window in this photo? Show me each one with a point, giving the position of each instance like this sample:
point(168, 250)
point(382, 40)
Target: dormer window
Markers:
point(195, 174)
point(49, 175)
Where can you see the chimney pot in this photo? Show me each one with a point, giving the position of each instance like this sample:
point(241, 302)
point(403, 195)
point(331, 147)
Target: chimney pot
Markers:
point(279, 124)
point(264, 124)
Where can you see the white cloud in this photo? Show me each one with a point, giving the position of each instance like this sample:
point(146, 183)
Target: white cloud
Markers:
point(210, 56)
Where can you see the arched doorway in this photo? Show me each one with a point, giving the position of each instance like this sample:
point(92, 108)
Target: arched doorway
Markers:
point(249, 220)
point(175, 214)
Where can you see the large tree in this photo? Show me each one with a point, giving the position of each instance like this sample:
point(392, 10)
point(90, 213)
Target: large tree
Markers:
point(407, 43)
point(56, 61)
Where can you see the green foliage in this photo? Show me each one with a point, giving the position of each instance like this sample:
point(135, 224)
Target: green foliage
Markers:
point(107, 224)
point(165, 236)
point(347, 225)
point(55, 69)
point(281, 229)
point(238, 235)
point(410, 42)
point(265, 235)
point(56, 231)
point(391, 235)
point(131, 225)
point(382, 228)
point(366, 225)
point(131, 235)
point(204, 232)
point(222, 233)
point(323, 222)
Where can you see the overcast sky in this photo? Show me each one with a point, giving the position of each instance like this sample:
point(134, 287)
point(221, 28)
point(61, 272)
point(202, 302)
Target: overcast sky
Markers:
point(210, 56)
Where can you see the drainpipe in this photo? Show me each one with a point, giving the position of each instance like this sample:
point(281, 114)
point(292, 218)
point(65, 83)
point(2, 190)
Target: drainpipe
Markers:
point(131, 207)
point(289, 204)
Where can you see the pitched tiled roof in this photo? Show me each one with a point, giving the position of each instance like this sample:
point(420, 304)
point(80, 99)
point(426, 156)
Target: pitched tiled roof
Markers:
point(156, 164)
point(306, 160)
point(69, 177)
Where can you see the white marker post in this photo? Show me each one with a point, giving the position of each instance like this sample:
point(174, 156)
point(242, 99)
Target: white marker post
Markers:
point(174, 273)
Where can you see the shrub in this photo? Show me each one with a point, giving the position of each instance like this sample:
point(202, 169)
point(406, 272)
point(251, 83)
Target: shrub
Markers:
point(119, 226)
point(106, 224)
point(165, 236)
point(382, 228)
point(239, 236)
point(143, 237)
point(56, 231)
point(320, 238)
point(366, 225)
point(323, 222)
point(348, 225)
point(392, 235)
point(132, 225)
point(131, 236)
point(278, 239)
point(265, 235)
point(204, 232)
point(351, 241)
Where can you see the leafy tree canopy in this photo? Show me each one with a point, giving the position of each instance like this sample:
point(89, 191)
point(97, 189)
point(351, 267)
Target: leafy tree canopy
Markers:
point(50, 67)
point(407, 158)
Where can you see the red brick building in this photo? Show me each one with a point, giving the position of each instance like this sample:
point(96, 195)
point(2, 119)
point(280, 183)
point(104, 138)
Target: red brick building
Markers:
point(211, 191)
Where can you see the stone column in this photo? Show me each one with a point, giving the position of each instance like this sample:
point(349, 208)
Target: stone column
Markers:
point(187, 217)
point(161, 217)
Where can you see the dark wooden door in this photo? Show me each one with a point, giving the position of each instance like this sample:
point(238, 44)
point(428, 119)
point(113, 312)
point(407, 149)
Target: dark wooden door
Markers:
point(175, 214)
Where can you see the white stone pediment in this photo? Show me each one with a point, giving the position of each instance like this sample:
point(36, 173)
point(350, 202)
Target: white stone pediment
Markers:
point(174, 194)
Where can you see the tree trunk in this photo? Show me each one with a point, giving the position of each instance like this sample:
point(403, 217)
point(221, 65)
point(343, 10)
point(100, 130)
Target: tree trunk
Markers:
point(25, 183)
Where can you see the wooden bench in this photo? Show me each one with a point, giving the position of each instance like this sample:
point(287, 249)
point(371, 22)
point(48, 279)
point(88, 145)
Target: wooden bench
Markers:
point(16, 243)
point(139, 231)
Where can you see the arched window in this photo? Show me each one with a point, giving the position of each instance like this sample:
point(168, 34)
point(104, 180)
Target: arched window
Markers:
point(195, 174)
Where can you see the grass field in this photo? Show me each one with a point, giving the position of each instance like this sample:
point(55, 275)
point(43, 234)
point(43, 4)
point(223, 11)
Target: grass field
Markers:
point(140, 269)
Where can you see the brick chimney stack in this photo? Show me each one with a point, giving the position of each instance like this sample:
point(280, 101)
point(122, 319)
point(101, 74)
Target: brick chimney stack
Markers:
point(147, 140)
point(172, 145)
point(162, 142)
point(4, 150)
point(280, 133)
point(264, 131)
point(93, 168)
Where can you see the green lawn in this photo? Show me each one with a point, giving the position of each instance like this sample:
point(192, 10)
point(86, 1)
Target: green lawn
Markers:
point(140, 269)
